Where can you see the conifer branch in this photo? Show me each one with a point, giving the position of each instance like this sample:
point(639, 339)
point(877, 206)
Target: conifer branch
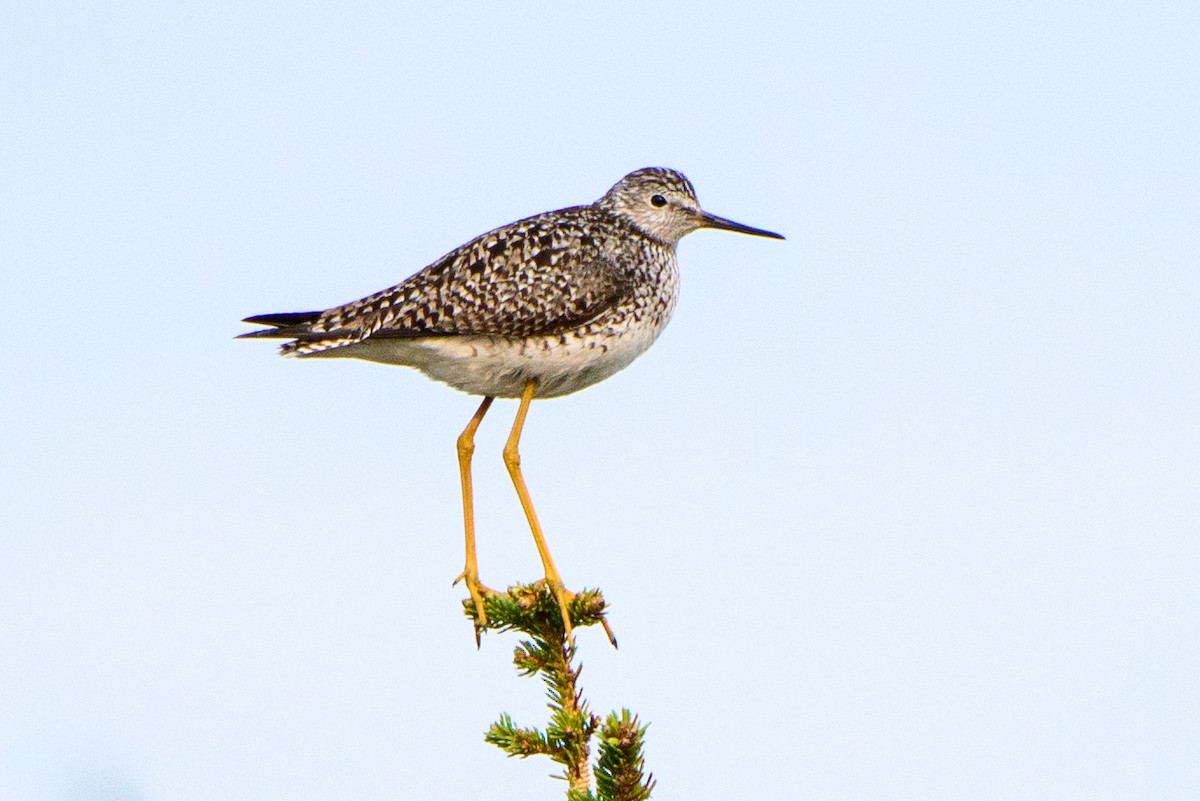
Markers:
point(619, 770)
point(533, 611)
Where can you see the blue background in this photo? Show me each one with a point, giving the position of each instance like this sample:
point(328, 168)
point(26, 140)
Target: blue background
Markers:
point(905, 507)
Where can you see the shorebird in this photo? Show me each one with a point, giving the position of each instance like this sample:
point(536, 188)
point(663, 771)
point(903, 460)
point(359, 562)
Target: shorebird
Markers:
point(539, 308)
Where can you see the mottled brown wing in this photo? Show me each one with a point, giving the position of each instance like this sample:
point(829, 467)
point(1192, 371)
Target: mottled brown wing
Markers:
point(535, 277)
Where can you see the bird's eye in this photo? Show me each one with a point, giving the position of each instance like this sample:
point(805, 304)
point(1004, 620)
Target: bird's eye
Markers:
point(658, 200)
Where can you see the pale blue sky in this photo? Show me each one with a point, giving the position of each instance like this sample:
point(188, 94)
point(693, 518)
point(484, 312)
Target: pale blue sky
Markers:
point(905, 507)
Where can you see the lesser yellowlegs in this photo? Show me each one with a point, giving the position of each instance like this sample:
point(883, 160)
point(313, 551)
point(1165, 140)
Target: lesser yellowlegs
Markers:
point(539, 308)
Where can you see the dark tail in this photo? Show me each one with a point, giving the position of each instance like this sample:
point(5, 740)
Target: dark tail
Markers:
point(287, 325)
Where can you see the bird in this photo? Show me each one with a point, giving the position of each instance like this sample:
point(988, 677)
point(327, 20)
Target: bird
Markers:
point(539, 308)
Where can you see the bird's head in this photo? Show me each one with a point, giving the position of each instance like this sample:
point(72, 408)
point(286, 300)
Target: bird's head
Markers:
point(662, 203)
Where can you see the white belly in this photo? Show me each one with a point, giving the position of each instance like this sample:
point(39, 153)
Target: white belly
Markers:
point(500, 367)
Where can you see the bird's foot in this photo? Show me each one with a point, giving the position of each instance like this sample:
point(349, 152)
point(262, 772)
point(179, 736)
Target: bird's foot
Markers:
point(535, 608)
point(565, 598)
point(477, 591)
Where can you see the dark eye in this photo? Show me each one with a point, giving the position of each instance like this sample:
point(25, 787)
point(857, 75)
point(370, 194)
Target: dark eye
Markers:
point(658, 200)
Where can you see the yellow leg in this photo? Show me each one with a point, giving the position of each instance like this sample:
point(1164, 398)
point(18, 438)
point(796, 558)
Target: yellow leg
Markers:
point(512, 460)
point(470, 574)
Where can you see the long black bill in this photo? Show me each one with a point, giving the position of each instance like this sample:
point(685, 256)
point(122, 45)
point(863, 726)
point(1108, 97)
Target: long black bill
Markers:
point(713, 221)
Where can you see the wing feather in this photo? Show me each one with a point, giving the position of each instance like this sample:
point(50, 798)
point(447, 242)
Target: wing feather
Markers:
point(540, 276)
point(537, 276)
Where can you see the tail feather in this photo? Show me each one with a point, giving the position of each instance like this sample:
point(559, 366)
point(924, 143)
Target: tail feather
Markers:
point(281, 319)
point(297, 326)
point(315, 347)
point(287, 325)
